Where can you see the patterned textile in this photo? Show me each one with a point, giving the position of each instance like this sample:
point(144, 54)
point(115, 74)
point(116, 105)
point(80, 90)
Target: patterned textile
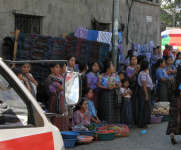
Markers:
point(80, 118)
point(104, 37)
point(40, 47)
point(129, 71)
point(92, 80)
point(120, 37)
point(174, 124)
point(107, 108)
point(126, 112)
point(81, 33)
point(108, 81)
point(172, 67)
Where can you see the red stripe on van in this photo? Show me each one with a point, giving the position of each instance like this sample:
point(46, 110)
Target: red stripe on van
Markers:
point(35, 142)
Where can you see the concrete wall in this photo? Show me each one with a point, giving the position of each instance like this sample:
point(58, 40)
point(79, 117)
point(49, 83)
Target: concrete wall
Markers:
point(64, 16)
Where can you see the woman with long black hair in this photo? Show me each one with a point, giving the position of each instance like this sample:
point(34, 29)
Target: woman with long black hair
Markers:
point(144, 96)
point(108, 82)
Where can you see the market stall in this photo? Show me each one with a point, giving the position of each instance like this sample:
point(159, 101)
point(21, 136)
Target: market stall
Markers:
point(171, 37)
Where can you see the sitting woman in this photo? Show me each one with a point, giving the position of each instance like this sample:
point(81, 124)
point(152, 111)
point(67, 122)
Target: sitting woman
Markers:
point(81, 116)
point(91, 107)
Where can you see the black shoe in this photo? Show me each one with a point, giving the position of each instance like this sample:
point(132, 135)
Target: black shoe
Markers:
point(173, 140)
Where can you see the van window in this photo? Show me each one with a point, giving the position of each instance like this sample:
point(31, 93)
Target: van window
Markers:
point(13, 110)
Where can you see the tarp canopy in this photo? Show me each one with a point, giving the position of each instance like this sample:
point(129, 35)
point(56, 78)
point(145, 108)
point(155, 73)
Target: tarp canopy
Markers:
point(172, 37)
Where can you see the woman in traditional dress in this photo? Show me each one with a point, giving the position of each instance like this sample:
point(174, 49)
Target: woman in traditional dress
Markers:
point(108, 82)
point(174, 124)
point(71, 66)
point(57, 103)
point(92, 80)
point(83, 68)
point(144, 96)
point(132, 73)
point(81, 116)
point(162, 80)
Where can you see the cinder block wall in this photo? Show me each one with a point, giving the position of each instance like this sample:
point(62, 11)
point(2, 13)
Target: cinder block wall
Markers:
point(64, 16)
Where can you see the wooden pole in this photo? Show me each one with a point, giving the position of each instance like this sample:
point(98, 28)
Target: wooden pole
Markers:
point(15, 46)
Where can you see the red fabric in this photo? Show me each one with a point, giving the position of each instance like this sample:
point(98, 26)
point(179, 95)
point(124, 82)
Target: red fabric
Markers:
point(166, 52)
point(62, 123)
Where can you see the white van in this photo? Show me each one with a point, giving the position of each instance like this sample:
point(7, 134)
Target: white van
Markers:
point(23, 124)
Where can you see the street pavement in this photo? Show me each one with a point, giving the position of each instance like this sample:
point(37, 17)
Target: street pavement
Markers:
point(154, 139)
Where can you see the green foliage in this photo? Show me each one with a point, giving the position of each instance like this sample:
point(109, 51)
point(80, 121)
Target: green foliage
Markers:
point(168, 9)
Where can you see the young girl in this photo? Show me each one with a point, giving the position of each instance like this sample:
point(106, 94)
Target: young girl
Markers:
point(55, 87)
point(132, 73)
point(81, 116)
point(71, 66)
point(92, 80)
point(122, 76)
point(55, 83)
point(25, 69)
point(170, 68)
point(91, 107)
point(92, 77)
point(23, 80)
point(144, 96)
point(126, 111)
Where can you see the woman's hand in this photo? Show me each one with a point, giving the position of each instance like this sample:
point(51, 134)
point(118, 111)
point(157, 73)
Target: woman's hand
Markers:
point(111, 87)
point(31, 79)
point(98, 121)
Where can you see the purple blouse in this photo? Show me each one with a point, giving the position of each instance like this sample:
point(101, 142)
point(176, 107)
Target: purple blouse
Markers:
point(129, 72)
point(92, 80)
point(81, 118)
point(143, 76)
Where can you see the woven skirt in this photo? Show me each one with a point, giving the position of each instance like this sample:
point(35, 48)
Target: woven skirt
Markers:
point(107, 107)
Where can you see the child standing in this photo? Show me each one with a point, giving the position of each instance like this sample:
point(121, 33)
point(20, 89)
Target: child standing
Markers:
point(25, 69)
point(20, 77)
point(126, 111)
point(122, 76)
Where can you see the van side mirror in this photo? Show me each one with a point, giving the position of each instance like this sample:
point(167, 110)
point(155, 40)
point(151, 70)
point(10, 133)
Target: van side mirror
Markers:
point(72, 88)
